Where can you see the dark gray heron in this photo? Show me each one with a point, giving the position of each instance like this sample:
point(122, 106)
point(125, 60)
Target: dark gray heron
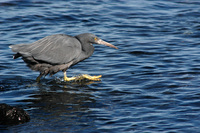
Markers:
point(55, 53)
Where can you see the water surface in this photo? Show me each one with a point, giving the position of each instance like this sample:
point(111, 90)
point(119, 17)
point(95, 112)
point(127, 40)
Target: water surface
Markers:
point(150, 84)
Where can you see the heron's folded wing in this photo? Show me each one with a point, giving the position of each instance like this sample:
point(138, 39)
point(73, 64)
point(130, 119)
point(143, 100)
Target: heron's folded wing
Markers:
point(55, 49)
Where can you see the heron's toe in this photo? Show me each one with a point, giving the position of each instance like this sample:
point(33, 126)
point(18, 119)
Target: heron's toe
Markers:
point(69, 79)
point(93, 78)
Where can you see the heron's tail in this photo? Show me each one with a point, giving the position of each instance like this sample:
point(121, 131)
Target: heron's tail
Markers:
point(19, 49)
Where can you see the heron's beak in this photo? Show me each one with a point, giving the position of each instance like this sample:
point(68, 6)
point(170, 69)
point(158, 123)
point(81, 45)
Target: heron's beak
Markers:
point(99, 41)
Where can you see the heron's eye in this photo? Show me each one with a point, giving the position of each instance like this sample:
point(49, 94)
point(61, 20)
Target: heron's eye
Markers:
point(95, 39)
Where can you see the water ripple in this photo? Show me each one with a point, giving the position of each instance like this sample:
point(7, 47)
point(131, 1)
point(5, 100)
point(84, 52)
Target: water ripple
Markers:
point(150, 84)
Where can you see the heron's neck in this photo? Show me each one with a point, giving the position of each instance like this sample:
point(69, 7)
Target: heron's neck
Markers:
point(87, 47)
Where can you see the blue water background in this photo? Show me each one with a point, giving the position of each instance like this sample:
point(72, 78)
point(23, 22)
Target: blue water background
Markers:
point(150, 84)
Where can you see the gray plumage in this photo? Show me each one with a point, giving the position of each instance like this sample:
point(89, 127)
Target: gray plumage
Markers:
point(57, 52)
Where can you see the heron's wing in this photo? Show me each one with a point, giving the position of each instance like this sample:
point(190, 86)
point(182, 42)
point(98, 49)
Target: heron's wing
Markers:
point(55, 49)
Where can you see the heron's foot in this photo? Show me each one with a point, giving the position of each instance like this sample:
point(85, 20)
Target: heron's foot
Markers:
point(69, 79)
point(88, 77)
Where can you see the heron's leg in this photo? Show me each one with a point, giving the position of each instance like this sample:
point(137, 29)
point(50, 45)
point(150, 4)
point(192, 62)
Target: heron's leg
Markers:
point(93, 78)
point(38, 78)
point(68, 79)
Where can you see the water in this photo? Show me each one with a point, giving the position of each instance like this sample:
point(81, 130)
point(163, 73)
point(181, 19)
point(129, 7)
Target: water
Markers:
point(150, 84)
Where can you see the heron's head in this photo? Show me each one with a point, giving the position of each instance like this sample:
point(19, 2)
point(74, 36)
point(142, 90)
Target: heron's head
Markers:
point(93, 39)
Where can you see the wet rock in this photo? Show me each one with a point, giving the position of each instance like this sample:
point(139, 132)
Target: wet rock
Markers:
point(12, 115)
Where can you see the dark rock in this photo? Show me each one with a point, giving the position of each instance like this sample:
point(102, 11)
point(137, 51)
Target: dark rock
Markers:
point(12, 115)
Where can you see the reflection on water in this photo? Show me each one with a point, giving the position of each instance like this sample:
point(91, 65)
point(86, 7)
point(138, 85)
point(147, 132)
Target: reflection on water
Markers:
point(62, 105)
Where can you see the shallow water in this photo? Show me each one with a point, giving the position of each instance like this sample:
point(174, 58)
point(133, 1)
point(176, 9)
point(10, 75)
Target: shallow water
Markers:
point(150, 84)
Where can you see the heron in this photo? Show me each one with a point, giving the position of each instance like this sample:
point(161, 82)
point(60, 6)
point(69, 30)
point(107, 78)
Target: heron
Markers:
point(58, 52)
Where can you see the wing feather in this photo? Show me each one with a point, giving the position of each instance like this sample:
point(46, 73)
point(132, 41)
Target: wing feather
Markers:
point(54, 49)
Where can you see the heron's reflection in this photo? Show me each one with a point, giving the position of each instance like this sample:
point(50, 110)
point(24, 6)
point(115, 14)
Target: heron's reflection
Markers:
point(62, 102)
